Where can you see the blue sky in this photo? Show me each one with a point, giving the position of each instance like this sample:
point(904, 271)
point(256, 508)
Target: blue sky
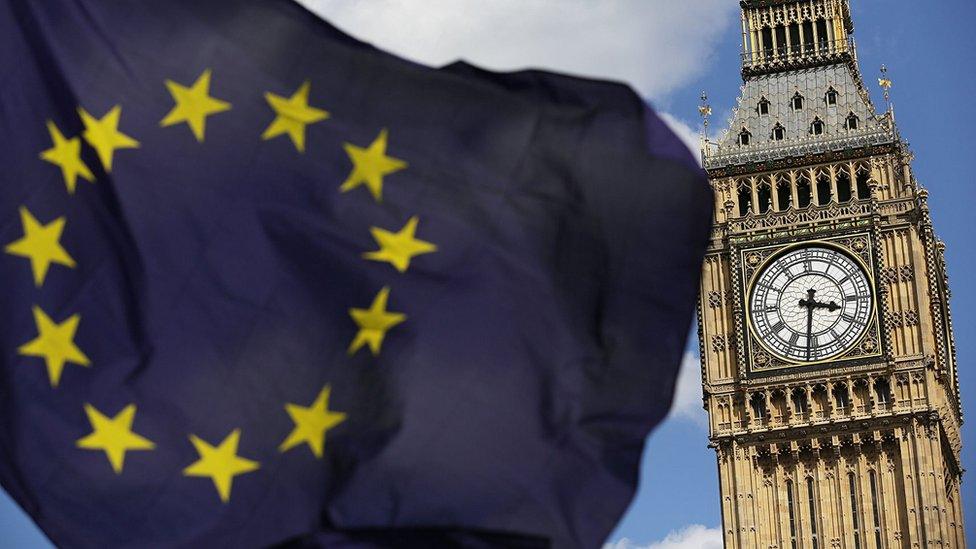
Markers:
point(670, 51)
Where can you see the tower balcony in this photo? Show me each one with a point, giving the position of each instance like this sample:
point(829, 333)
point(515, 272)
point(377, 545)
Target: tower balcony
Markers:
point(798, 56)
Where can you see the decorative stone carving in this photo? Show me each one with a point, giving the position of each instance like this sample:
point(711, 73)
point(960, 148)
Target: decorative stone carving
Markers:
point(911, 318)
point(894, 319)
point(890, 231)
point(718, 343)
point(888, 275)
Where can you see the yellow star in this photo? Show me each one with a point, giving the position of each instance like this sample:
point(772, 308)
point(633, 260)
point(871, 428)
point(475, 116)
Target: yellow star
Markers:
point(312, 423)
point(399, 248)
point(55, 343)
point(104, 136)
point(193, 105)
point(66, 154)
point(369, 165)
point(114, 435)
point(374, 323)
point(221, 463)
point(41, 245)
point(293, 114)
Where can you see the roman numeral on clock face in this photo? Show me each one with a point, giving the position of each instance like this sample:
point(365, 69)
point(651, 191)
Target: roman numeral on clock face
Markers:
point(807, 290)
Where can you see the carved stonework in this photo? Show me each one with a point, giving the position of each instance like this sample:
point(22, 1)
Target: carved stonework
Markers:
point(911, 318)
point(884, 407)
point(718, 343)
point(888, 275)
point(894, 319)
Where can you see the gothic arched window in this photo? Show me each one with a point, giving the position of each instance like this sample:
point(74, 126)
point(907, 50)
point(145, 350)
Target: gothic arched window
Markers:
point(843, 185)
point(863, 176)
point(824, 192)
point(817, 128)
point(744, 193)
point(854, 512)
point(792, 512)
point(842, 397)
point(852, 122)
point(800, 404)
point(812, 497)
point(764, 195)
point(758, 404)
point(831, 96)
point(823, 43)
point(803, 192)
point(797, 102)
point(763, 106)
point(882, 391)
point(784, 193)
point(779, 132)
point(875, 508)
point(744, 137)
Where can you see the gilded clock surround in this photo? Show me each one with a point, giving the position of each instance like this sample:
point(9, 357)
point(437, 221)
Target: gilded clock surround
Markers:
point(754, 260)
point(861, 450)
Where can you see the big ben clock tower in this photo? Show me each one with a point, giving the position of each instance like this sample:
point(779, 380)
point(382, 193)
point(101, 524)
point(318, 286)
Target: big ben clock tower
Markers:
point(828, 361)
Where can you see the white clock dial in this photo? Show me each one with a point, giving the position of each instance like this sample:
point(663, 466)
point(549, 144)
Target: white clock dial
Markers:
point(810, 304)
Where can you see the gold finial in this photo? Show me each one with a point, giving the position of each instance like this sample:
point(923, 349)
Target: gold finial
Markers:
point(885, 84)
point(705, 110)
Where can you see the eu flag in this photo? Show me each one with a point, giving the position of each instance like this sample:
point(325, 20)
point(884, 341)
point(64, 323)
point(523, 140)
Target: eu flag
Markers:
point(265, 284)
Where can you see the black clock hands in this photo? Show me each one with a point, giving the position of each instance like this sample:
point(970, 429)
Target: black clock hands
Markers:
point(811, 303)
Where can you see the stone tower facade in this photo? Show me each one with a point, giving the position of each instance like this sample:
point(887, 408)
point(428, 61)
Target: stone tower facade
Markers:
point(828, 363)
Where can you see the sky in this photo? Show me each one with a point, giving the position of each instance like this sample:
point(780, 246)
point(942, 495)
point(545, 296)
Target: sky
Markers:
point(670, 51)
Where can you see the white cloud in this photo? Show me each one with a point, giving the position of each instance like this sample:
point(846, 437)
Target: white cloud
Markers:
point(657, 46)
point(687, 402)
point(691, 537)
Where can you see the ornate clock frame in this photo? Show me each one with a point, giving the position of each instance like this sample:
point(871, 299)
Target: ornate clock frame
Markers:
point(754, 360)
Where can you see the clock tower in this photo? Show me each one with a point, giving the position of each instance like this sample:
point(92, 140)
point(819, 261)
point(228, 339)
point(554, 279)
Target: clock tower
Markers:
point(828, 363)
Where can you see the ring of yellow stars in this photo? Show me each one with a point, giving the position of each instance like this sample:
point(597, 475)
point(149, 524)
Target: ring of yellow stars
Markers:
point(374, 323)
point(292, 115)
point(114, 435)
point(312, 423)
point(41, 244)
point(370, 165)
point(55, 343)
point(193, 105)
point(400, 247)
point(104, 136)
point(220, 463)
point(66, 154)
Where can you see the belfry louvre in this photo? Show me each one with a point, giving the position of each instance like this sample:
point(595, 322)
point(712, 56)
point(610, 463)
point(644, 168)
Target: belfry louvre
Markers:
point(828, 361)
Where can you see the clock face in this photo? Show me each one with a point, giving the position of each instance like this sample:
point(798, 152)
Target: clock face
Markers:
point(810, 304)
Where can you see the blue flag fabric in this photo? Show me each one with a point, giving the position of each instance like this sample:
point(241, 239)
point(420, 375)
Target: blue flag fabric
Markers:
point(265, 284)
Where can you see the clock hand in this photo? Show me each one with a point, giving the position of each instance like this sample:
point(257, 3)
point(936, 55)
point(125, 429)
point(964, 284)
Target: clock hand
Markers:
point(810, 303)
